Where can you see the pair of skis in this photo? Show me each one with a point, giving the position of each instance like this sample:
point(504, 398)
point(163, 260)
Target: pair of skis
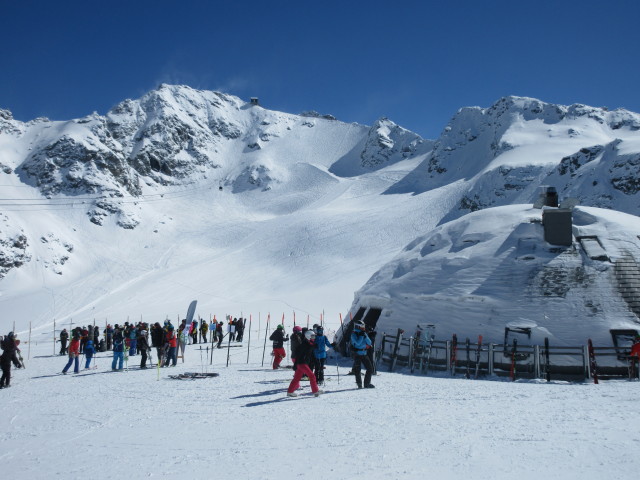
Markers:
point(454, 356)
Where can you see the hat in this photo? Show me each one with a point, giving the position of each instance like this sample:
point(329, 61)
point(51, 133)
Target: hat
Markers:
point(297, 328)
point(280, 326)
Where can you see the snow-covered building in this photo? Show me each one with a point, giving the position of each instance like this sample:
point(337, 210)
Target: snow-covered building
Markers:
point(499, 273)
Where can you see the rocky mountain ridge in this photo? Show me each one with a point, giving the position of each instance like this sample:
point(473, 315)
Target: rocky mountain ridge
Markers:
point(179, 137)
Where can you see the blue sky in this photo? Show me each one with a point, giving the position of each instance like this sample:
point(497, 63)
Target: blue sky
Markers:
point(415, 62)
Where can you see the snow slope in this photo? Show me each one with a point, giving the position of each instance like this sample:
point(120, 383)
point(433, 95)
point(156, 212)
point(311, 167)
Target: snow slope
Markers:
point(241, 425)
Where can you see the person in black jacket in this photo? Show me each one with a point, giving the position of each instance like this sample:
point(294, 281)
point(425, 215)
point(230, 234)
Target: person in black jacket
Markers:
point(64, 338)
point(157, 340)
point(9, 348)
point(278, 338)
point(304, 357)
point(143, 344)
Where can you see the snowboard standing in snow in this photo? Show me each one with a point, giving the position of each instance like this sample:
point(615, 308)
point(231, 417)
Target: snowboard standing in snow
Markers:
point(514, 349)
point(592, 362)
point(468, 347)
point(454, 353)
point(547, 359)
point(478, 350)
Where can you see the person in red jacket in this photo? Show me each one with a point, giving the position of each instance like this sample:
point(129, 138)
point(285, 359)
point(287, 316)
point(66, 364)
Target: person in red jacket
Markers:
point(74, 352)
point(171, 345)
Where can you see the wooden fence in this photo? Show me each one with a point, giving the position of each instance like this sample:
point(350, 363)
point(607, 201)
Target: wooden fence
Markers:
point(473, 360)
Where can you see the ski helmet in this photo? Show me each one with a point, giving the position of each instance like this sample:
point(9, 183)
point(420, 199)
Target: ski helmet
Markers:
point(297, 328)
point(280, 327)
point(359, 325)
point(309, 335)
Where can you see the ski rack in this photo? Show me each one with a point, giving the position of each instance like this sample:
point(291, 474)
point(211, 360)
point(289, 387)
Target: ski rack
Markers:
point(556, 362)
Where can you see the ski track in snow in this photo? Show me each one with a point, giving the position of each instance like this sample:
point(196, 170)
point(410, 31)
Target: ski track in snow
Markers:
point(241, 425)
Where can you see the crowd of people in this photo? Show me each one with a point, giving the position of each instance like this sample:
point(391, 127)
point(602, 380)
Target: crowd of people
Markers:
point(309, 355)
point(130, 340)
point(308, 347)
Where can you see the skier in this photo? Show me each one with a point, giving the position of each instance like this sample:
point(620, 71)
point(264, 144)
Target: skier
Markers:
point(157, 340)
point(240, 329)
point(219, 333)
point(232, 329)
point(64, 337)
point(360, 343)
point(96, 335)
point(172, 346)
point(143, 345)
point(304, 355)
point(320, 354)
point(296, 340)
point(133, 341)
point(108, 334)
point(204, 328)
point(9, 349)
point(89, 350)
point(194, 332)
point(74, 353)
point(118, 349)
point(278, 338)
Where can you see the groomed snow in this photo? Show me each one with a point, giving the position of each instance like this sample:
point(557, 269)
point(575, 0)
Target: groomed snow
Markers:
point(105, 425)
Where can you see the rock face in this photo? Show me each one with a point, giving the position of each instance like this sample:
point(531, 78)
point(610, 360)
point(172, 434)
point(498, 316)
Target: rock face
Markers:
point(505, 152)
point(13, 246)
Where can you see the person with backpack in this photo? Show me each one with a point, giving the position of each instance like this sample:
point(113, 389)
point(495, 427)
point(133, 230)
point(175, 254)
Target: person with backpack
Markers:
point(64, 338)
point(278, 338)
point(304, 356)
point(240, 329)
point(133, 341)
point(320, 354)
point(360, 344)
point(204, 328)
point(89, 350)
point(296, 340)
point(9, 347)
point(74, 353)
point(118, 349)
point(108, 334)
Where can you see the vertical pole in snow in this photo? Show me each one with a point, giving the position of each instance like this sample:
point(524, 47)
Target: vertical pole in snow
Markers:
point(448, 353)
point(547, 359)
point(249, 339)
point(213, 337)
point(54, 336)
point(266, 333)
point(536, 360)
point(29, 349)
point(490, 359)
point(585, 361)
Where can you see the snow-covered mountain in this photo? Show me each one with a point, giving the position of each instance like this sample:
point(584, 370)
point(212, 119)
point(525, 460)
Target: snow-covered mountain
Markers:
point(187, 194)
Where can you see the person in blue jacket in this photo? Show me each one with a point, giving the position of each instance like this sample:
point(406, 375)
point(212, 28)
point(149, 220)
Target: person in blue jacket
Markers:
point(320, 354)
point(360, 343)
point(89, 350)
